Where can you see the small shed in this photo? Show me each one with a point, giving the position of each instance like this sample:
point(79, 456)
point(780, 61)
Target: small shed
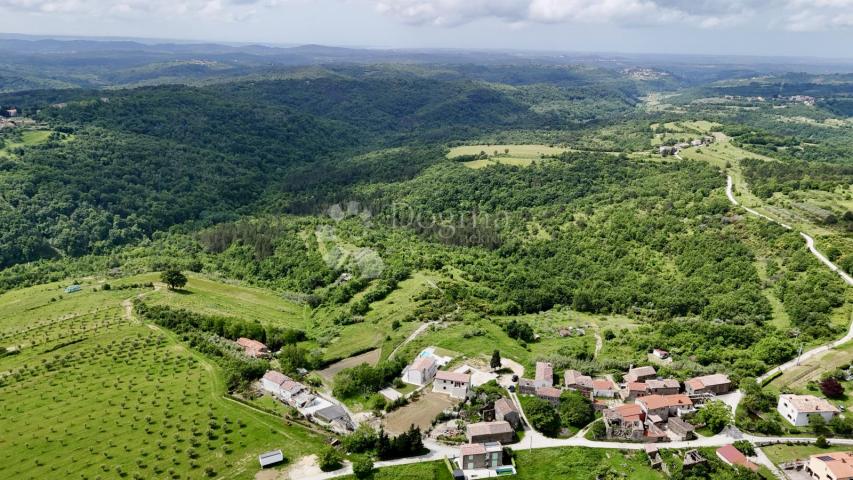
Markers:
point(270, 458)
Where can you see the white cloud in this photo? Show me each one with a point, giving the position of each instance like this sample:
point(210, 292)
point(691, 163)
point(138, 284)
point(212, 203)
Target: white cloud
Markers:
point(789, 14)
point(228, 10)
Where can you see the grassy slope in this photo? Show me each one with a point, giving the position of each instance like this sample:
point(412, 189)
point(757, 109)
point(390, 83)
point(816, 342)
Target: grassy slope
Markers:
point(521, 155)
point(214, 297)
point(28, 137)
point(126, 396)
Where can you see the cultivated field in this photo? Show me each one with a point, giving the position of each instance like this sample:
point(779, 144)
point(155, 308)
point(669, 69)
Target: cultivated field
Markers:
point(95, 394)
point(420, 413)
point(521, 155)
point(370, 358)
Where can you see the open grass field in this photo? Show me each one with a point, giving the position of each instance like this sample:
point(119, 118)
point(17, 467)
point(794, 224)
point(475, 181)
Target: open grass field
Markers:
point(370, 358)
point(95, 394)
point(521, 155)
point(28, 137)
point(213, 297)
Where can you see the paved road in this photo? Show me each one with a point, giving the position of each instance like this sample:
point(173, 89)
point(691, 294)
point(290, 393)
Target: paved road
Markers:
point(809, 240)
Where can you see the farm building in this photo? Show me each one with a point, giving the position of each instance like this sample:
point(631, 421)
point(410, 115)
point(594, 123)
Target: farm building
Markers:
point(551, 394)
point(544, 375)
point(831, 466)
point(272, 381)
point(505, 410)
point(679, 430)
point(665, 406)
point(640, 374)
point(526, 386)
point(253, 348)
point(716, 384)
point(421, 371)
point(269, 459)
point(625, 422)
point(668, 386)
point(634, 390)
point(575, 380)
point(457, 385)
point(797, 408)
point(485, 432)
point(732, 456)
point(72, 288)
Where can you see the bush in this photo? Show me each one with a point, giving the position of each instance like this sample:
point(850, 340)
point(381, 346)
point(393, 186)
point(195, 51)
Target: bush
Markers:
point(362, 468)
point(329, 460)
point(745, 447)
point(821, 442)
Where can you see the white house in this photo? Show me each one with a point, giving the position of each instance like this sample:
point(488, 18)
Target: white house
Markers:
point(797, 408)
point(272, 382)
point(457, 385)
point(421, 371)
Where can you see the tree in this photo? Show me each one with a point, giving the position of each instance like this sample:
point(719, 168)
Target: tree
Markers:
point(495, 363)
point(821, 442)
point(598, 430)
point(543, 416)
point(575, 409)
point(715, 415)
point(173, 278)
point(818, 424)
point(362, 468)
point(330, 459)
point(832, 388)
point(745, 447)
point(755, 398)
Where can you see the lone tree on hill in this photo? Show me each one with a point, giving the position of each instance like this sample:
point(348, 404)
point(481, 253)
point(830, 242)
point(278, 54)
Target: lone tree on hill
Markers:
point(173, 278)
point(495, 363)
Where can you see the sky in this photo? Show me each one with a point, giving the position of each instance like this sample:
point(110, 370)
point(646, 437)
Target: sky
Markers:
point(812, 28)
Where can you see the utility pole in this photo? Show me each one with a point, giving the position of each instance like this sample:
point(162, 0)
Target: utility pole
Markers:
point(799, 353)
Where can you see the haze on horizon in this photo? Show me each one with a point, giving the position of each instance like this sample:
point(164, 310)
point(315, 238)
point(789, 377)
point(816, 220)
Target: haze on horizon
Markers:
point(807, 28)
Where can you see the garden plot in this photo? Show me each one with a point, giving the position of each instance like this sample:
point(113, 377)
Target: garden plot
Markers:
point(419, 413)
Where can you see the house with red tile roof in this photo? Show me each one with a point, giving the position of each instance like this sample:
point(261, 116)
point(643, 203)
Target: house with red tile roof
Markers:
point(457, 385)
point(253, 348)
point(665, 406)
point(732, 456)
point(544, 375)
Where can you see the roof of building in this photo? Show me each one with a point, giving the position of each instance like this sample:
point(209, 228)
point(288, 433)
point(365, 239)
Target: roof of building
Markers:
point(292, 387)
point(732, 456)
point(642, 371)
point(637, 387)
point(332, 412)
point(627, 412)
point(544, 372)
point(839, 463)
point(453, 376)
point(488, 428)
point(276, 377)
point(423, 363)
point(248, 343)
point(809, 403)
point(665, 383)
point(603, 384)
point(709, 381)
point(575, 378)
point(504, 406)
point(550, 392)
point(472, 449)
point(271, 458)
point(654, 402)
point(680, 424)
point(525, 382)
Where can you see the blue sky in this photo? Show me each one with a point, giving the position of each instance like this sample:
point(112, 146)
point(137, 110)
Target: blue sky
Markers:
point(822, 28)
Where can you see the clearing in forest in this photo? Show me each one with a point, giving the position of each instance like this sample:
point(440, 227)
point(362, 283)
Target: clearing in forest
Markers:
point(520, 155)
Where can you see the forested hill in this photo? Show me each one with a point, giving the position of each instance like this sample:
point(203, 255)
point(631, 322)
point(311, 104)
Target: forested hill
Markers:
point(123, 164)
